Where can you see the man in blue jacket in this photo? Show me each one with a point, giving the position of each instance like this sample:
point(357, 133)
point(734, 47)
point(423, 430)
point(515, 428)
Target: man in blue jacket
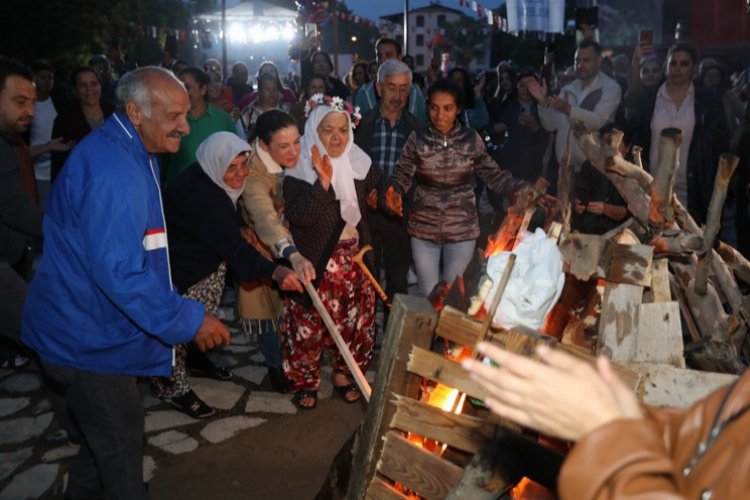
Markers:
point(101, 309)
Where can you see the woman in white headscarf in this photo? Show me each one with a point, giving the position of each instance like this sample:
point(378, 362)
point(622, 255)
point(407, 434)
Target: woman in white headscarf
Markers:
point(204, 239)
point(326, 206)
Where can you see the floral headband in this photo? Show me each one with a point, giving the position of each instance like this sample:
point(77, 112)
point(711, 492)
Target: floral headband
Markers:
point(335, 103)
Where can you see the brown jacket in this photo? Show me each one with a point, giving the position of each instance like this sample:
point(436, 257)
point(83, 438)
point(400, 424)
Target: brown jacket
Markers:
point(442, 168)
point(648, 458)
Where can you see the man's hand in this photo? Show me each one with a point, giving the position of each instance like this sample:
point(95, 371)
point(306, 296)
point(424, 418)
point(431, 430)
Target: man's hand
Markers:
point(57, 145)
point(322, 166)
point(212, 333)
point(394, 202)
point(642, 51)
point(537, 91)
point(559, 104)
point(287, 279)
point(303, 267)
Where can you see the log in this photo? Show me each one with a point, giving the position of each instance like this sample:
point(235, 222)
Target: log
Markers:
point(678, 243)
point(727, 165)
point(637, 155)
point(714, 355)
point(565, 193)
point(581, 254)
point(665, 385)
point(412, 323)
point(659, 334)
point(586, 256)
point(662, 213)
point(687, 314)
point(618, 321)
point(737, 262)
point(428, 475)
point(463, 432)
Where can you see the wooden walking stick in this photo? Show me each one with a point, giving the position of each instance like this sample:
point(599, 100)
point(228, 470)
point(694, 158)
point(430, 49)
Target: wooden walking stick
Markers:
point(358, 259)
point(351, 363)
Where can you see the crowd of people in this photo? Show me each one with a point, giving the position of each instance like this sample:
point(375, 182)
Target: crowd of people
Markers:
point(162, 187)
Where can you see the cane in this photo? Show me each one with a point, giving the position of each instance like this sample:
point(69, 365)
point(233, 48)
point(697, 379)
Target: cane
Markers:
point(351, 363)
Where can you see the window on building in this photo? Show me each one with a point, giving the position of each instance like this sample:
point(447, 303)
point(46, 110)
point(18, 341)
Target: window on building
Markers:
point(420, 40)
point(420, 21)
point(441, 21)
point(419, 60)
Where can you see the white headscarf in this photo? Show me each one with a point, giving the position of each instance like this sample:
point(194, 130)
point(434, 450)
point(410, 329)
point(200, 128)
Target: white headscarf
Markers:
point(352, 164)
point(271, 165)
point(216, 153)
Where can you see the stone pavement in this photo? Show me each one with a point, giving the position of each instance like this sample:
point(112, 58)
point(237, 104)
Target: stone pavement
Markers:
point(34, 450)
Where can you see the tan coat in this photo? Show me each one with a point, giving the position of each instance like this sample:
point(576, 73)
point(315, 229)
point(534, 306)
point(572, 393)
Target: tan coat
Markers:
point(648, 458)
point(261, 205)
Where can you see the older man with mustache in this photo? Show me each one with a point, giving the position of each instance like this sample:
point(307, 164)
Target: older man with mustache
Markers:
point(101, 309)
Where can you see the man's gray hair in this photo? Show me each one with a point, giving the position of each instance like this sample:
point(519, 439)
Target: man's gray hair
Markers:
point(393, 67)
point(135, 86)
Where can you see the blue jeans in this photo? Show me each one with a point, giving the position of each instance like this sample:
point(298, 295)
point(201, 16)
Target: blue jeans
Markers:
point(427, 256)
point(109, 412)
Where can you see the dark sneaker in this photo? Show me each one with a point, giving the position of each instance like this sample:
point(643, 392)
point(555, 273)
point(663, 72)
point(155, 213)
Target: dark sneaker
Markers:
point(190, 404)
point(216, 372)
point(12, 360)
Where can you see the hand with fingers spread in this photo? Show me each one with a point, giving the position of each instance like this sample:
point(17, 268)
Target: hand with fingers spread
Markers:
point(322, 166)
point(558, 395)
point(212, 333)
point(287, 279)
point(394, 202)
point(538, 91)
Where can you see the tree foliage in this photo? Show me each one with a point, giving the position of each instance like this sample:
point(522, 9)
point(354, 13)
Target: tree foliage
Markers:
point(68, 33)
point(468, 39)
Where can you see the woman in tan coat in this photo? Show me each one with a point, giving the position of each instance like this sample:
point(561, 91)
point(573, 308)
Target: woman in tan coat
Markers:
point(276, 147)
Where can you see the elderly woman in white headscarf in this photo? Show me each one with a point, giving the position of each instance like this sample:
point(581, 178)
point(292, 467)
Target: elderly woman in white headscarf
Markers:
point(326, 206)
point(204, 240)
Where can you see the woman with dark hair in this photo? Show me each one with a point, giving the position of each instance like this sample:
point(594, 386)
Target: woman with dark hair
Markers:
point(316, 84)
point(276, 148)
point(83, 116)
point(699, 114)
point(269, 68)
point(204, 120)
point(439, 162)
point(204, 242)
point(474, 112)
point(323, 65)
point(269, 97)
point(357, 77)
point(219, 96)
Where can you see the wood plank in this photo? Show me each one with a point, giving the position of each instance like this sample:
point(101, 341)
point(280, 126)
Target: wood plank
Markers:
point(417, 469)
point(458, 327)
point(660, 280)
point(412, 323)
point(629, 264)
point(581, 254)
point(665, 385)
point(441, 369)
point(618, 321)
point(380, 490)
point(659, 334)
point(464, 432)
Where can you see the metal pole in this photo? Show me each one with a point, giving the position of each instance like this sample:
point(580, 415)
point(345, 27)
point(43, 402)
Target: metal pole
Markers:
point(335, 14)
point(223, 37)
point(406, 27)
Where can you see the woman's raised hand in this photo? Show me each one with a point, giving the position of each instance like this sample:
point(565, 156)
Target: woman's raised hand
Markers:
point(322, 166)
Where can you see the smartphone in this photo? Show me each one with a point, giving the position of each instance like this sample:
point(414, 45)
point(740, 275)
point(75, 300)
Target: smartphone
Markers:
point(647, 36)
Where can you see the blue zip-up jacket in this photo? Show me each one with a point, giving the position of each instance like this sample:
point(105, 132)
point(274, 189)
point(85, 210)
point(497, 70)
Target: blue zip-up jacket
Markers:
point(102, 300)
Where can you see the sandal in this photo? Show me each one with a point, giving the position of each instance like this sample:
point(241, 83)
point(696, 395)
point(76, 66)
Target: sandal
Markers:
point(348, 392)
point(301, 395)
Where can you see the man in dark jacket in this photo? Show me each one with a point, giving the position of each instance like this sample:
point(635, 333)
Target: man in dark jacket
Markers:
point(20, 218)
point(382, 134)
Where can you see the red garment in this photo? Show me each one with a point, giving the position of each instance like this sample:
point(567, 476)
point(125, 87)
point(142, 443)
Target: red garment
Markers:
point(350, 301)
point(26, 164)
